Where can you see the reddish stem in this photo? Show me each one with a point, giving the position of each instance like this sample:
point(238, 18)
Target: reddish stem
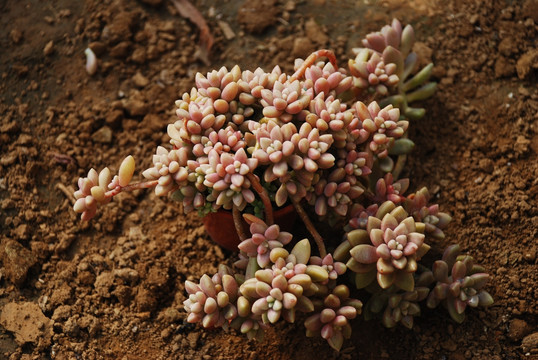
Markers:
point(310, 227)
point(309, 61)
point(238, 223)
point(264, 196)
point(143, 185)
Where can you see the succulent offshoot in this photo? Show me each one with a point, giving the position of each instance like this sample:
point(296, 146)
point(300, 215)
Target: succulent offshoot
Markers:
point(460, 284)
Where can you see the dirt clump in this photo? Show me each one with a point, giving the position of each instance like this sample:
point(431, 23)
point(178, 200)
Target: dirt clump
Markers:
point(27, 322)
point(16, 259)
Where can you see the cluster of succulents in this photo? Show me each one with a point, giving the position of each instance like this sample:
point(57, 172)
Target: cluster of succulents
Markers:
point(460, 288)
point(332, 143)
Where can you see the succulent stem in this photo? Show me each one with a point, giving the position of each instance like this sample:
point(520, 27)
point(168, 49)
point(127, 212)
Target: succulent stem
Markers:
point(142, 185)
point(264, 196)
point(310, 227)
point(238, 223)
point(398, 167)
point(310, 60)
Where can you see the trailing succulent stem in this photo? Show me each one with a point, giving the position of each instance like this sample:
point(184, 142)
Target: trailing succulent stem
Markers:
point(333, 143)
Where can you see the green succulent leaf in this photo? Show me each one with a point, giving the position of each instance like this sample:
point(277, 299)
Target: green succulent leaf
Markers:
point(414, 113)
point(365, 254)
point(317, 273)
point(383, 209)
point(302, 250)
point(451, 254)
point(440, 271)
point(433, 301)
point(458, 270)
point(359, 236)
point(385, 280)
point(341, 253)
point(394, 300)
point(304, 304)
point(454, 314)
point(420, 78)
point(423, 249)
point(484, 298)
point(402, 147)
point(387, 319)
point(477, 269)
point(407, 39)
point(424, 92)
point(252, 267)
point(386, 164)
point(358, 267)
point(394, 100)
point(336, 341)
point(404, 281)
point(409, 65)
point(425, 279)
point(363, 280)
point(437, 234)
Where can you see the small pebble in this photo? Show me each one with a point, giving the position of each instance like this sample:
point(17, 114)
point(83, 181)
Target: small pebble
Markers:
point(140, 80)
point(16, 36)
point(530, 343)
point(49, 48)
point(518, 329)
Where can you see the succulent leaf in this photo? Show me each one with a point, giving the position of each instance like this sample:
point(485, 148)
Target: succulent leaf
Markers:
point(364, 279)
point(301, 251)
point(402, 147)
point(365, 254)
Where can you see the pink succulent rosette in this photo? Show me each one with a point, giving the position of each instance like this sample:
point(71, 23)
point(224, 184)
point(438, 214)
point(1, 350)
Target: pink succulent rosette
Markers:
point(264, 239)
point(211, 302)
point(332, 318)
point(460, 284)
point(387, 250)
point(435, 221)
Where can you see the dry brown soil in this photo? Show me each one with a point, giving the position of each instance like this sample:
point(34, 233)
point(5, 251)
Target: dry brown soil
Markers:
point(113, 288)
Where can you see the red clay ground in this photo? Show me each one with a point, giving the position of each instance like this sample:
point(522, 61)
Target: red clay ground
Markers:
point(113, 288)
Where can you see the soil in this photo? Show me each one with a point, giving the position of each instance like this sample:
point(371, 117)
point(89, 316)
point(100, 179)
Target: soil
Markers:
point(113, 288)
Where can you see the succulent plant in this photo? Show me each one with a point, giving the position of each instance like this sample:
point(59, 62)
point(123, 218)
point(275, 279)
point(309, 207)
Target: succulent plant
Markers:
point(264, 239)
point(278, 291)
point(91, 192)
point(333, 268)
point(331, 320)
point(212, 301)
point(332, 143)
point(359, 216)
point(371, 72)
point(395, 306)
point(402, 308)
point(434, 220)
point(387, 251)
point(462, 287)
point(384, 64)
point(99, 188)
point(383, 126)
point(387, 189)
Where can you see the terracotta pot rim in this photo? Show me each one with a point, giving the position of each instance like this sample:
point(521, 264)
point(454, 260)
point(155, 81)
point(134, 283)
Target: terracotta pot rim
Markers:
point(280, 211)
point(219, 225)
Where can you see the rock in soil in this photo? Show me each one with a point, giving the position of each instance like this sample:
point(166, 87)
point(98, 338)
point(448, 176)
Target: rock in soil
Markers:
point(16, 259)
point(27, 322)
point(530, 344)
point(518, 329)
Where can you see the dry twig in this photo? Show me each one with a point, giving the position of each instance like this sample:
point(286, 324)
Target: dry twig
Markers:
point(189, 11)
